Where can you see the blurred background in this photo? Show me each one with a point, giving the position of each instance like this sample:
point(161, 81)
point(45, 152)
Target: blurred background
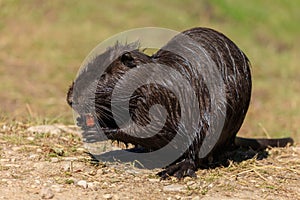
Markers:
point(43, 43)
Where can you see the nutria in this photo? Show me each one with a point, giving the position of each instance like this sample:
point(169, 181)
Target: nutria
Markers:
point(199, 55)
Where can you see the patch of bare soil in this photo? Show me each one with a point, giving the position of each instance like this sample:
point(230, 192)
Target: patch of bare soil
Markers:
point(53, 165)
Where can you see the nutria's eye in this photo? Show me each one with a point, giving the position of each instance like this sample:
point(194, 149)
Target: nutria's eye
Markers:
point(128, 60)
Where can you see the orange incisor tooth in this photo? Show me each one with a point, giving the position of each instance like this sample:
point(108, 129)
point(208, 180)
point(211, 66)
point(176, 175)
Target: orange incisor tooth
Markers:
point(89, 120)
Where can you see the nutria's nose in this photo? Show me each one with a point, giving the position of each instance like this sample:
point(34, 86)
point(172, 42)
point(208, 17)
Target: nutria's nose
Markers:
point(70, 103)
point(70, 100)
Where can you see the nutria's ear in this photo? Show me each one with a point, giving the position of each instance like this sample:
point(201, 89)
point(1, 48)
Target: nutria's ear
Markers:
point(128, 60)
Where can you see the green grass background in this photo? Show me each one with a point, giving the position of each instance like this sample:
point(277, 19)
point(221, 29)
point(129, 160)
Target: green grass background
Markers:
point(42, 44)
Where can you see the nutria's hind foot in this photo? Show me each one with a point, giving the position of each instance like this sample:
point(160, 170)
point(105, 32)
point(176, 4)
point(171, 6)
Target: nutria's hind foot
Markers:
point(179, 170)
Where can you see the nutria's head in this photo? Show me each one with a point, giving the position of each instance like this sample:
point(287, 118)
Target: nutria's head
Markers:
point(91, 93)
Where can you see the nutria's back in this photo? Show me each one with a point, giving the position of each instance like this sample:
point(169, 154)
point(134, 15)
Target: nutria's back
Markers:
point(234, 67)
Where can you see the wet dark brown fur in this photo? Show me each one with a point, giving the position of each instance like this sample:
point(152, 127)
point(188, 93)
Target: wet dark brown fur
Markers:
point(233, 65)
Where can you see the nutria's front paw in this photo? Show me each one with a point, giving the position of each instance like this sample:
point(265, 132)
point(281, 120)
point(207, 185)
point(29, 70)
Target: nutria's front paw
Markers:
point(179, 170)
point(80, 121)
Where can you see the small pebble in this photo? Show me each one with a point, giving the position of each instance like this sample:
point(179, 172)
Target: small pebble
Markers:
point(46, 193)
point(93, 186)
point(107, 196)
point(82, 184)
point(132, 171)
point(39, 150)
point(153, 180)
point(100, 171)
point(33, 156)
point(16, 148)
point(173, 187)
point(54, 160)
point(80, 150)
point(196, 198)
point(190, 183)
point(30, 138)
point(67, 167)
point(178, 197)
point(53, 130)
point(56, 188)
point(92, 172)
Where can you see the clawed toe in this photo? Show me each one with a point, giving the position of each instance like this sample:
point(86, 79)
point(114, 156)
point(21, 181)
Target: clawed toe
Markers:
point(179, 170)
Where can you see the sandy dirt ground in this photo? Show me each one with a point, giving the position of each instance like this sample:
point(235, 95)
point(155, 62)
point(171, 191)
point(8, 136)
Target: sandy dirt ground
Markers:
point(54, 166)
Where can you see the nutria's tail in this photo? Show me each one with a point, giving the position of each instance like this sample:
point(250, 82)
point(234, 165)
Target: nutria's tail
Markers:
point(262, 143)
